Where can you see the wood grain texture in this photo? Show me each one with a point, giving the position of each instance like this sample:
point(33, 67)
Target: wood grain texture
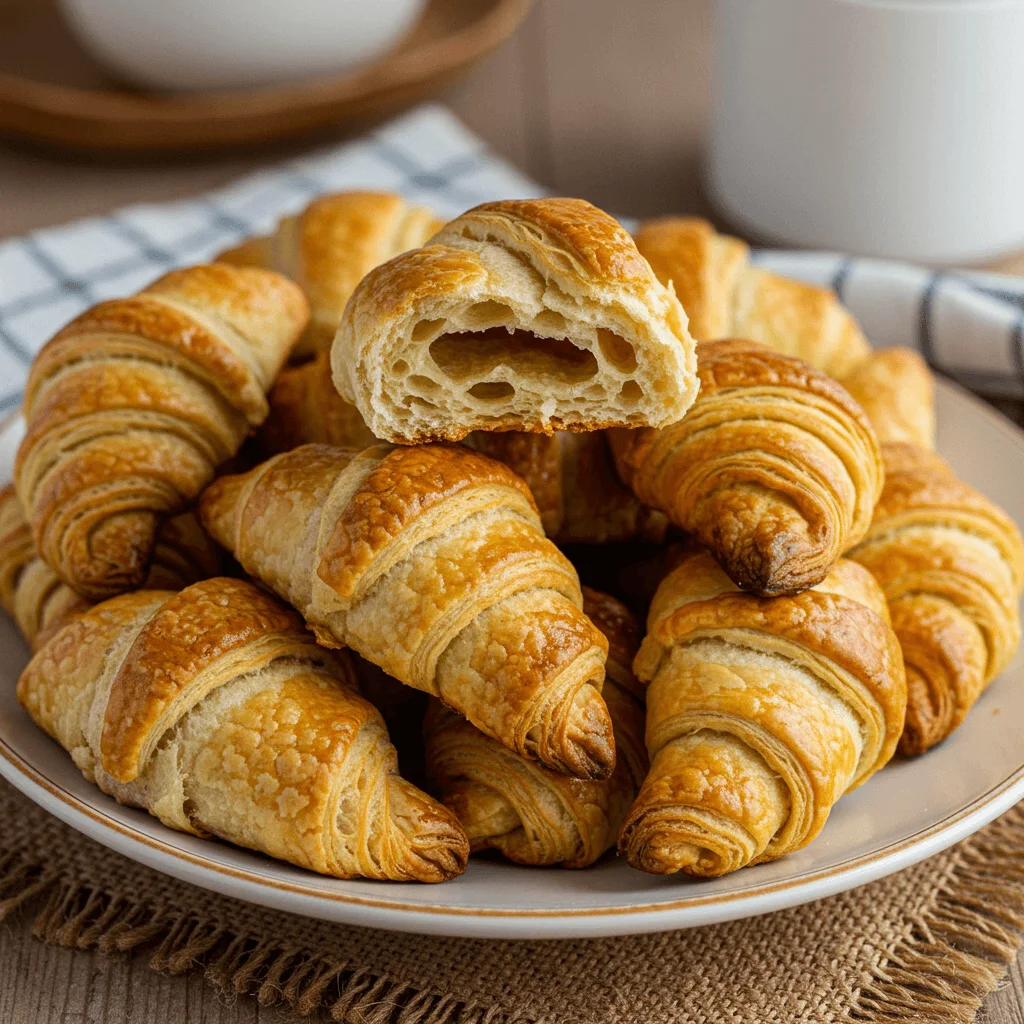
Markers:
point(581, 98)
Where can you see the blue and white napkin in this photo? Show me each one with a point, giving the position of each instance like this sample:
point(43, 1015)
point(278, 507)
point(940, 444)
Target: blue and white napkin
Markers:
point(968, 325)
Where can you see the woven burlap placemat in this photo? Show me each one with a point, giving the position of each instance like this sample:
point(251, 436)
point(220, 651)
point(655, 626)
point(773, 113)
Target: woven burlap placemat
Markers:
point(926, 944)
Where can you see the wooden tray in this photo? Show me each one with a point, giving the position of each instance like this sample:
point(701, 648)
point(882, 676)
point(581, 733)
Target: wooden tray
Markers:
point(52, 91)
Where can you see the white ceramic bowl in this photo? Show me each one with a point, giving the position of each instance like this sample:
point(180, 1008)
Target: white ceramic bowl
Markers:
point(183, 45)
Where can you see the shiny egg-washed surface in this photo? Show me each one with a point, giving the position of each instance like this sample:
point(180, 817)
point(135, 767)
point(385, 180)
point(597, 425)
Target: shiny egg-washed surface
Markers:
point(430, 562)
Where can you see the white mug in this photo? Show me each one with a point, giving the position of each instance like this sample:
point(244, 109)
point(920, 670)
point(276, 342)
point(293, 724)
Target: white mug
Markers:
point(882, 127)
point(228, 44)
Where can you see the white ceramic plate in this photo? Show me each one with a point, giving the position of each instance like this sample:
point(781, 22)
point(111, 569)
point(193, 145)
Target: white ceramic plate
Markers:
point(907, 812)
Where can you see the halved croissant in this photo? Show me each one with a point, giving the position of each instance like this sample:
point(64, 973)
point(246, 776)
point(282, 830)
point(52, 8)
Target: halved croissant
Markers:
point(951, 564)
point(570, 475)
point(896, 390)
point(133, 405)
point(330, 246)
point(305, 408)
point(39, 603)
point(430, 562)
point(573, 480)
point(534, 315)
point(725, 297)
point(215, 710)
point(775, 468)
point(761, 714)
point(531, 814)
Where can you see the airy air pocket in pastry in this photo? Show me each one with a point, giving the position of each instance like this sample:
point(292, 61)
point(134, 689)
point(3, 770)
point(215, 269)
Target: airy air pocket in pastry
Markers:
point(215, 710)
point(132, 407)
point(533, 315)
point(775, 468)
point(430, 561)
point(761, 714)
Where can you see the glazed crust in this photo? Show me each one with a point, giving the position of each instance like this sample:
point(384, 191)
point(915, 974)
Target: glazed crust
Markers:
point(431, 563)
point(532, 315)
point(951, 564)
point(573, 480)
point(725, 297)
point(531, 814)
point(215, 710)
point(775, 468)
point(34, 596)
point(330, 246)
point(133, 405)
point(896, 390)
point(761, 714)
point(305, 408)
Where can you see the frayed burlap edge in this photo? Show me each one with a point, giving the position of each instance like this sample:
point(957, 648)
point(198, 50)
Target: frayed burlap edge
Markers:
point(948, 958)
point(77, 915)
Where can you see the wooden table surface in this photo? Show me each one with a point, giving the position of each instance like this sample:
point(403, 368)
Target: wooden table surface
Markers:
point(591, 100)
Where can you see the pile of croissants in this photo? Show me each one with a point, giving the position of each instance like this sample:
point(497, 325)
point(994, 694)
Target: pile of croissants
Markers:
point(263, 502)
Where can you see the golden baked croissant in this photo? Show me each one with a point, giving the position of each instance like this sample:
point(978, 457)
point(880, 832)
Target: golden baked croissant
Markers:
point(33, 595)
point(761, 714)
point(214, 709)
point(329, 246)
point(533, 315)
point(725, 297)
point(573, 480)
point(775, 468)
point(305, 408)
point(951, 564)
point(571, 476)
point(531, 814)
point(896, 390)
point(430, 562)
point(133, 405)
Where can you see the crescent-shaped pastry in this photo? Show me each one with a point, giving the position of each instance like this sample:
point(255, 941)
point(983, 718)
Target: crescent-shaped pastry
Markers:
point(533, 315)
point(775, 468)
point(896, 390)
point(531, 814)
point(330, 246)
point(133, 405)
point(725, 297)
point(572, 478)
point(761, 714)
point(33, 595)
point(951, 564)
point(305, 408)
point(215, 710)
point(431, 562)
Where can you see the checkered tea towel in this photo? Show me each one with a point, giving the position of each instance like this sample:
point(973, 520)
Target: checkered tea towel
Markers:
point(969, 325)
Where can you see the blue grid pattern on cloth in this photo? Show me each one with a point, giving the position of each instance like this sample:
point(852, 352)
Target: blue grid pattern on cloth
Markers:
point(970, 326)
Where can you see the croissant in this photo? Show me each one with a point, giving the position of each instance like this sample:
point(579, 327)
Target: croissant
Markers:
point(534, 315)
point(132, 406)
point(33, 595)
point(896, 390)
point(329, 247)
point(761, 714)
point(215, 710)
point(573, 480)
point(531, 814)
point(430, 562)
point(775, 468)
point(571, 476)
point(725, 297)
point(306, 409)
point(951, 564)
